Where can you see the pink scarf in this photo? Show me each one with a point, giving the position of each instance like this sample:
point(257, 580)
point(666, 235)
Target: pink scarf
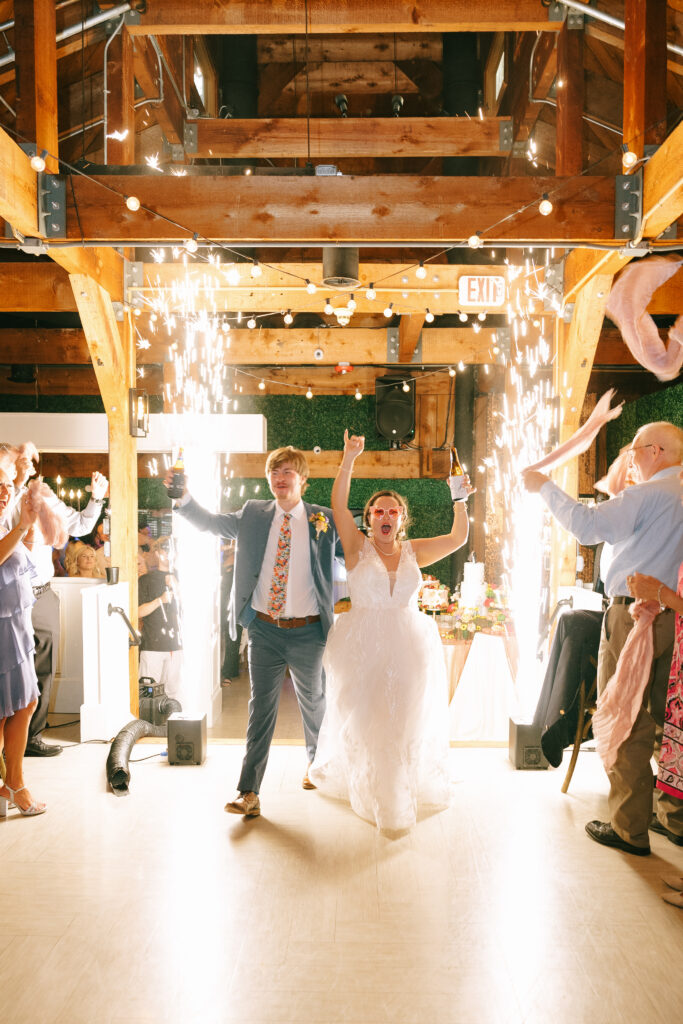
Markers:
point(622, 698)
point(627, 306)
point(584, 436)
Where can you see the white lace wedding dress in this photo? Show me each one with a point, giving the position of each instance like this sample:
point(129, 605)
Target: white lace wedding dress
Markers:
point(383, 743)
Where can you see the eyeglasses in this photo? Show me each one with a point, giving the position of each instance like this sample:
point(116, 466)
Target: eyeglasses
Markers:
point(378, 512)
point(639, 447)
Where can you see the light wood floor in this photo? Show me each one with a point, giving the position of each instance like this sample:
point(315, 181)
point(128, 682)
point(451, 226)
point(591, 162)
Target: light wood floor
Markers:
point(159, 907)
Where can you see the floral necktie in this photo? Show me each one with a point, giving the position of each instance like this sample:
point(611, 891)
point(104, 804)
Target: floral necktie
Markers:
point(278, 584)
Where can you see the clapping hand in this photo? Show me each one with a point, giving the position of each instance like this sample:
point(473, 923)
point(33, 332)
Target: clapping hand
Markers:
point(353, 445)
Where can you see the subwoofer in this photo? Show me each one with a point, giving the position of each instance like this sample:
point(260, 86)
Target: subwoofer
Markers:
point(395, 407)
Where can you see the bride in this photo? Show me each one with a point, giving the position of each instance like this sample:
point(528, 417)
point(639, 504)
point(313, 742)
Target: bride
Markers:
point(383, 744)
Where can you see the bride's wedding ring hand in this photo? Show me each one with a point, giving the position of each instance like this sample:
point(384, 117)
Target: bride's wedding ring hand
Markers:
point(353, 445)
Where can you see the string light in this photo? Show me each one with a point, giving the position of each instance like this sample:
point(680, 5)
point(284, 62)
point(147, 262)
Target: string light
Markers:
point(462, 317)
point(329, 308)
point(256, 270)
point(133, 203)
point(421, 272)
point(545, 207)
point(309, 393)
point(262, 385)
point(351, 304)
point(629, 158)
point(389, 311)
point(233, 276)
point(38, 161)
point(406, 385)
point(481, 316)
point(474, 241)
point(429, 317)
point(192, 244)
point(371, 293)
point(288, 318)
point(451, 371)
point(357, 395)
point(311, 288)
point(251, 323)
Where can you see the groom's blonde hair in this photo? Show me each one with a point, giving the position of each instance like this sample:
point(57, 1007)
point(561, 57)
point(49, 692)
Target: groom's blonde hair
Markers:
point(294, 456)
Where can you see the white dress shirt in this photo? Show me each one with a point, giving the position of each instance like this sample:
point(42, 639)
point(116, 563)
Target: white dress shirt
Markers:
point(300, 599)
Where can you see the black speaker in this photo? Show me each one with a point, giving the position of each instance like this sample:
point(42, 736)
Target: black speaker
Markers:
point(395, 407)
point(524, 748)
point(186, 739)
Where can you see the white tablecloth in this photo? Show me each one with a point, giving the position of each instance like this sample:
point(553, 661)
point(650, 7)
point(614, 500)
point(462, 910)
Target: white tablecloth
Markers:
point(484, 700)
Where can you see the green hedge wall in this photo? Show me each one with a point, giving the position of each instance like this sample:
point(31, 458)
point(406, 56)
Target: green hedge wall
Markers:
point(662, 405)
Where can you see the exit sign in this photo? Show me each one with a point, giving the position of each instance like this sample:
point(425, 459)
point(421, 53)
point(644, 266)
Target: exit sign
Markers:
point(481, 292)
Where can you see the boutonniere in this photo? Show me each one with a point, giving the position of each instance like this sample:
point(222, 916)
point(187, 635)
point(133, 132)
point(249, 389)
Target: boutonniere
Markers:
point(320, 521)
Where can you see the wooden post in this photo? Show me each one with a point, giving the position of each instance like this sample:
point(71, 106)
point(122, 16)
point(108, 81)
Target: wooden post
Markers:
point(113, 356)
point(644, 73)
point(570, 102)
point(120, 99)
point(35, 43)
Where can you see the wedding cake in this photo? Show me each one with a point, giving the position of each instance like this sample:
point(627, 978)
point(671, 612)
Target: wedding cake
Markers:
point(473, 589)
point(433, 595)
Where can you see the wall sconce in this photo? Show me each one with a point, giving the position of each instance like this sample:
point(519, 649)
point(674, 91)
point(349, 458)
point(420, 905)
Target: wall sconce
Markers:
point(138, 411)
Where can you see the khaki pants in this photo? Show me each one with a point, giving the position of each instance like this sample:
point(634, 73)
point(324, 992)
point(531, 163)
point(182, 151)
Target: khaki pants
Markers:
point(631, 781)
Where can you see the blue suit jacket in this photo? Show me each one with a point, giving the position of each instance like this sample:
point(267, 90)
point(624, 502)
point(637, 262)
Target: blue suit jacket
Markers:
point(250, 527)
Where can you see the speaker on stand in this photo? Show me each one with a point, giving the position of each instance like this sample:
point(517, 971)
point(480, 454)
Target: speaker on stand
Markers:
point(395, 408)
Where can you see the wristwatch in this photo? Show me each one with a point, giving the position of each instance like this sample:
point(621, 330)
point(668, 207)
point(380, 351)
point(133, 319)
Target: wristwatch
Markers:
point(662, 606)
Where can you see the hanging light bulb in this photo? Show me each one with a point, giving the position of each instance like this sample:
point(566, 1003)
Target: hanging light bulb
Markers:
point(351, 304)
point(262, 385)
point(421, 272)
point(133, 203)
point(251, 323)
point(451, 371)
point(462, 317)
point(429, 316)
point(256, 269)
point(371, 293)
point(357, 395)
point(192, 244)
point(233, 276)
point(329, 308)
point(310, 287)
point(481, 316)
point(38, 161)
point(389, 311)
point(629, 158)
point(309, 393)
point(474, 241)
point(288, 318)
point(406, 386)
point(545, 207)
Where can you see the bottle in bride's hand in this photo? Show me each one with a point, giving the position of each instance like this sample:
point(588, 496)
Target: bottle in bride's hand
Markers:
point(457, 481)
point(176, 488)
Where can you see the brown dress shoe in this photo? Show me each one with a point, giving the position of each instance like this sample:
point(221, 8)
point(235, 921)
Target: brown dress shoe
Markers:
point(245, 803)
point(306, 782)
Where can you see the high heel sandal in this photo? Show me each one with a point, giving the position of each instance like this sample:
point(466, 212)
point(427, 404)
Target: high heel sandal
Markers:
point(28, 812)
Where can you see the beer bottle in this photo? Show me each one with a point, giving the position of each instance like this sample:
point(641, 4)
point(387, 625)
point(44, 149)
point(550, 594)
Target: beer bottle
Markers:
point(457, 477)
point(177, 486)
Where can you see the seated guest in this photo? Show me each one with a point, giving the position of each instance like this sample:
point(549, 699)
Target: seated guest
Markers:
point(80, 561)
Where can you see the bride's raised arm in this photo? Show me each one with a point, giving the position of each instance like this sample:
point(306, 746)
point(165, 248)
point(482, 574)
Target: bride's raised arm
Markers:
point(351, 536)
point(431, 549)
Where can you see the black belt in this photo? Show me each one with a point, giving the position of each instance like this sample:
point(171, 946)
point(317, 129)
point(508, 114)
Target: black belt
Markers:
point(38, 591)
point(621, 600)
point(288, 623)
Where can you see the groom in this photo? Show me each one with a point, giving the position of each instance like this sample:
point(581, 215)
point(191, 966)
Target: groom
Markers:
point(282, 594)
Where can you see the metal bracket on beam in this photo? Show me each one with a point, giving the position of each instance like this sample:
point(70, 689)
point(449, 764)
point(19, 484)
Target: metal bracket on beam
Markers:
point(568, 312)
point(628, 205)
point(174, 150)
point(133, 274)
point(190, 138)
point(519, 149)
point(558, 12)
point(131, 18)
point(505, 135)
point(553, 281)
point(52, 205)
point(393, 346)
point(118, 311)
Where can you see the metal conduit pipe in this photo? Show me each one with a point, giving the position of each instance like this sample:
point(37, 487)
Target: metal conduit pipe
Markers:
point(72, 30)
point(609, 19)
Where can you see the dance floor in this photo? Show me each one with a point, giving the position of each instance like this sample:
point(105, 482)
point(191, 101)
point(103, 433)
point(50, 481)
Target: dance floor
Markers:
point(159, 908)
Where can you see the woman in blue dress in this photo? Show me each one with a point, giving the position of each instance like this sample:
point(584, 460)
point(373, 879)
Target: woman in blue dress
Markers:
point(18, 682)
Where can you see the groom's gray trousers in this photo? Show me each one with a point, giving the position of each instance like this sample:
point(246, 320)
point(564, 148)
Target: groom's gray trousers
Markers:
point(271, 650)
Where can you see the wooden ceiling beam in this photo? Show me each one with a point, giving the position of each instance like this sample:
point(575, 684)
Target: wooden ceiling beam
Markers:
point(338, 138)
point(644, 74)
point(69, 379)
point(570, 101)
point(252, 17)
point(308, 210)
point(154, 80)
point(120, 100)
point(35, 32)
point(282, 49)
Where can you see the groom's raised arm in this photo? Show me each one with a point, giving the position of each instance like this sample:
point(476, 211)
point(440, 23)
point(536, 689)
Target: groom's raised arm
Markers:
point(224, 524)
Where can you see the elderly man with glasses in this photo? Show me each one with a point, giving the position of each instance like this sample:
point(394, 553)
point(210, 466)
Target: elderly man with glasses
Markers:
point(642, 528)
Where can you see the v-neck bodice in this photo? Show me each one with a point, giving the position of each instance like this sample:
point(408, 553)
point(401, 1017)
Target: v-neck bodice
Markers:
point(371, 584)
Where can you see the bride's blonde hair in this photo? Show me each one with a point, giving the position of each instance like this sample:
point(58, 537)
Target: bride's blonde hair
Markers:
point(399, 501)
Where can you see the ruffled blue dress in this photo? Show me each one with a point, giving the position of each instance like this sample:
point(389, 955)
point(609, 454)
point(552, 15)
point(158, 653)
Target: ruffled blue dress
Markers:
point(18, 681)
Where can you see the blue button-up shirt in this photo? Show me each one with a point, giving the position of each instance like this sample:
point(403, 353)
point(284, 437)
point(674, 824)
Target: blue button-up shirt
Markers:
point(642, 528)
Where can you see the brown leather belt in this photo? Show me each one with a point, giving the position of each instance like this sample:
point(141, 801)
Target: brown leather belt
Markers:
point(288, 623)
point(621, 600)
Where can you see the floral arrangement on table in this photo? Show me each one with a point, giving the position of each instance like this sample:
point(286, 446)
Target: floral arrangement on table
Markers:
point(457, 622)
